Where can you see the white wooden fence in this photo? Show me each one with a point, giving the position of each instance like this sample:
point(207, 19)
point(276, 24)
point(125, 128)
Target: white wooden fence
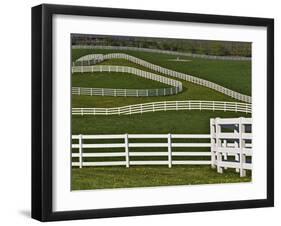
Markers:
point(166, 106)
point(226, 149)
point(235, 141)
point(213, 57)
point(127, 153)
point(176, 85)
point(236, 95)
point(124, 92)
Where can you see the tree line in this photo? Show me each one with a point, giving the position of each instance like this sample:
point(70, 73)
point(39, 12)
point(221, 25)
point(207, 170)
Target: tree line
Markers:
point(207, 47)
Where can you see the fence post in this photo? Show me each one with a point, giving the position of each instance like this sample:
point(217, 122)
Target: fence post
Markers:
point(80, 151)
point(241, 146)
point(127, 150)
point(225, 154)
point(236, 155)
point(218, 144)
point(213, 147)
point(169, 151)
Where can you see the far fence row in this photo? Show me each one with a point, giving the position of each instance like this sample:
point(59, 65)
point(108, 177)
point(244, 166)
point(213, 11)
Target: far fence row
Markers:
point(91, 58)
point(229, 145)
point(166, 106)
point(176, 85)
point(213, 57)
point(124, 92)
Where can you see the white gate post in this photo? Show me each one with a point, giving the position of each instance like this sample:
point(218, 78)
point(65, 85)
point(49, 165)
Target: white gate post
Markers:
point(225, 154)
point(236, 146)
point(241, 146)
point(80, 151)
point(169, 151)
point(236, 155)
point(218, 144)
point(127, 150)
point(213, 147)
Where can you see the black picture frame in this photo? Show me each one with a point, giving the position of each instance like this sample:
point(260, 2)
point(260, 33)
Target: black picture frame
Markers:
point(42, 111)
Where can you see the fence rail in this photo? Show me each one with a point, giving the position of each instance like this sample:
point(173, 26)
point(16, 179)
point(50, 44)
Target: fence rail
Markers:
point(166, 106)
point(128, 145)
point(213, 57)
point(176, 85)
point(87, 59)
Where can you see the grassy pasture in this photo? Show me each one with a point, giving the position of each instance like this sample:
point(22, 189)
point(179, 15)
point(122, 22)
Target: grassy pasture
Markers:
point(235, 75)
point(231, 74)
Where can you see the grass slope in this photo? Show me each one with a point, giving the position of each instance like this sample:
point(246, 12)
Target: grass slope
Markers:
point(235, 75)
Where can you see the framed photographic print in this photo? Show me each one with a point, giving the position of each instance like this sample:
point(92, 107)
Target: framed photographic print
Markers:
point(146, 112)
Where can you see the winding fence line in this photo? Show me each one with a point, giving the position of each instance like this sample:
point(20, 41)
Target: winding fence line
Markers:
point(212, 57)
point(176, 85)
point(166, 106)
point(89, 59)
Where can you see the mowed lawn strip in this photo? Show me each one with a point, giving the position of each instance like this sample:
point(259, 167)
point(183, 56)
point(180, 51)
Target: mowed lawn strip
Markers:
point(235, 75)
point(150, 176)
point(177, 122)
point(114, 80)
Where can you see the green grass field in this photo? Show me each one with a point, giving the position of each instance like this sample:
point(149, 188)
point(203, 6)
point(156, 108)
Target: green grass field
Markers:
point(235, 75)
point(150, 176)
